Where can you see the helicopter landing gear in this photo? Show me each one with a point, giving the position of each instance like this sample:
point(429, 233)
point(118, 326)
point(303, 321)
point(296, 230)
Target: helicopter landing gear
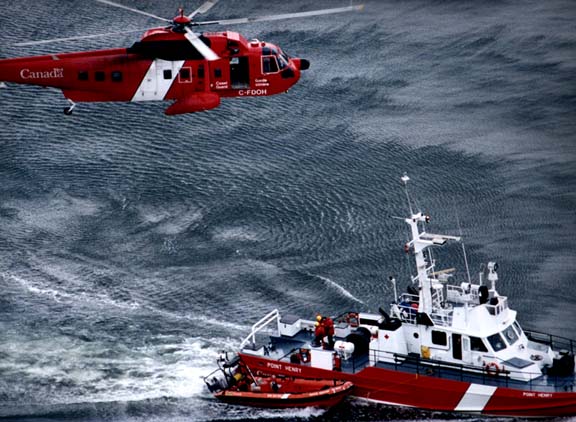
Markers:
point(68, 110)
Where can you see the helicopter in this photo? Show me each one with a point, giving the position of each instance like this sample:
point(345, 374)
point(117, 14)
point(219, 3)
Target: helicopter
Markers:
point(169, 63)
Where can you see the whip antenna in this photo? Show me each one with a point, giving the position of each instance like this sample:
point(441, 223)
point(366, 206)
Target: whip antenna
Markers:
point(462, 243)
point(405, 179)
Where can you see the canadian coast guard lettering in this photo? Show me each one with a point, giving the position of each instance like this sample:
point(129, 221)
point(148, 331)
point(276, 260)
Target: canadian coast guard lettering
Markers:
point(55, 73)
point(244, 92)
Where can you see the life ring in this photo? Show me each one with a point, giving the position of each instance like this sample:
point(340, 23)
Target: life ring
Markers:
point(492, 368)
point(352, 319)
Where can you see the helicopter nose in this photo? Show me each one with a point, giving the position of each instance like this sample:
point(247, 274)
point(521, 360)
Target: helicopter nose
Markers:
point(301, 64)
point(304, 64)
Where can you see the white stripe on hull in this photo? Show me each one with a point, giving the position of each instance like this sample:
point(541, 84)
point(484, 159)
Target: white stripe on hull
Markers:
point(475, 398)
point(154, 86)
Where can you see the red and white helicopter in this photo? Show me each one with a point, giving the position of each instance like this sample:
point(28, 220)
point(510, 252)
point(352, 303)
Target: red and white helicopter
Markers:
point(169, 63)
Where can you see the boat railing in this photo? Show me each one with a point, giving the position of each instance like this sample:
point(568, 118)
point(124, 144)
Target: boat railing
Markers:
point(408, 307)
point(555, 342)
point(442, 317)
point(459, 294)
point(259, 326)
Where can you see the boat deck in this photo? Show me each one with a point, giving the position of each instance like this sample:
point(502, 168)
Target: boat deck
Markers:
point(282, 347)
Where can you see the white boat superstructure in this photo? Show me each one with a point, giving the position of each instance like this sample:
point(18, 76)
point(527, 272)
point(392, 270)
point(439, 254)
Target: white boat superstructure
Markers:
point(466, 323)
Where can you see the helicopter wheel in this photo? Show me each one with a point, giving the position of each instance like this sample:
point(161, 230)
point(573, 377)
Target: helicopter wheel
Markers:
point(68, 111)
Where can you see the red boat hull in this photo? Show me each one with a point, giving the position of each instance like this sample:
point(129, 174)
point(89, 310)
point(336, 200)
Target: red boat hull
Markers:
point(429, 392)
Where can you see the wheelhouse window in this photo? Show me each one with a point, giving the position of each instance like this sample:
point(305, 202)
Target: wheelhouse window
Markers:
point(477, 345)
point(497, 342)
point(99, 76)
point(83, 75)
point(510, 335)
point(439, 338)
point(167, 73)
point(518, 328)
point(116, 76)
point(269, 64)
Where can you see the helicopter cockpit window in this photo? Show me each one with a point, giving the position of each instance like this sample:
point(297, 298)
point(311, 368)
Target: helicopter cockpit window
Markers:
point(266, 51)
point(282, 62)
point(269, 64)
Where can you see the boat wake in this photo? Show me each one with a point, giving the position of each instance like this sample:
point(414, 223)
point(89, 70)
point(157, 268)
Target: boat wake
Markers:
point(337, 287)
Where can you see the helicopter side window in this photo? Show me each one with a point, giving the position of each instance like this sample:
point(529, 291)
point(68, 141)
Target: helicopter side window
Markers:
point(82, 75)
point(116, 76)
point(269, 64)
point(99, 76)
point(200, 71)
point(167, 73)
point(185, 73)
point(217, 72)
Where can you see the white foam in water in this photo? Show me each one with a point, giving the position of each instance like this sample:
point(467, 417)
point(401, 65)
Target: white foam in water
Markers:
point(338, 287)
point(98, 299)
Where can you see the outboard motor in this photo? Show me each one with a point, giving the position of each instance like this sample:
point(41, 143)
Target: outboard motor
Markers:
point(216, 381)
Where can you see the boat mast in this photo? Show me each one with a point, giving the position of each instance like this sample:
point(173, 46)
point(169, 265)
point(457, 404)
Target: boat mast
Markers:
point(420, 241)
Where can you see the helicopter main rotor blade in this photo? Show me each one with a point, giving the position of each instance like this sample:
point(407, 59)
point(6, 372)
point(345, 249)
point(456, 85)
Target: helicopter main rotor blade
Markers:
point(281, 17)
point(203, 9)
point(81, 37)
point(206, 51)
point(111, 3)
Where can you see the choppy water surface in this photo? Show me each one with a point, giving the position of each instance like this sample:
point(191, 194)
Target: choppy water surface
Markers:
point(134, 247)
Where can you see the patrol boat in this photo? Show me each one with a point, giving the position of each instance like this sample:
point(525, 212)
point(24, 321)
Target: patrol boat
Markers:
point(442, 346)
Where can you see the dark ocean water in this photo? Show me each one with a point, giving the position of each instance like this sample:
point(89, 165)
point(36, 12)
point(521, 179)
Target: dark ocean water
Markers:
point(134, 247)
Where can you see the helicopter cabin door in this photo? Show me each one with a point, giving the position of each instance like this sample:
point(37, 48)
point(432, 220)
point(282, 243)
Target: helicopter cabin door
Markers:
point(239, 76)
point(158, 80)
